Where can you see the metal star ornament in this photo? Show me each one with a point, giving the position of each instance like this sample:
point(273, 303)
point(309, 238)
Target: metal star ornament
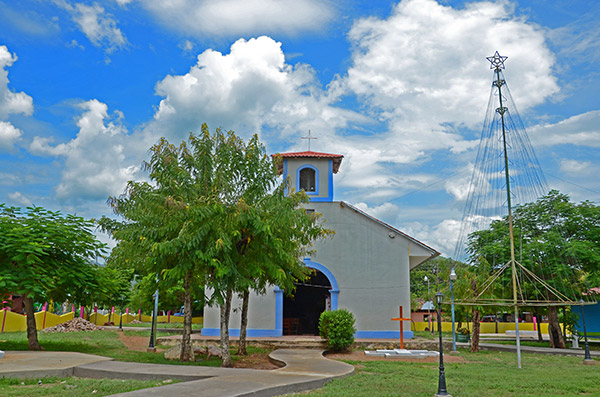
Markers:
point(497, 61)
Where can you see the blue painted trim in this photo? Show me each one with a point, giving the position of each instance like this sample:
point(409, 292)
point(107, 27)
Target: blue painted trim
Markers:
point(279, 310)
point(383, 334)
point(312, 167)
point(334, 291)
point(323, 199)
point(250, 332)
point(334, 299)
point(334, 284)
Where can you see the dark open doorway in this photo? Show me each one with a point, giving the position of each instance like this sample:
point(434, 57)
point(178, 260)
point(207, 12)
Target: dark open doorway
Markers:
point(302, 311)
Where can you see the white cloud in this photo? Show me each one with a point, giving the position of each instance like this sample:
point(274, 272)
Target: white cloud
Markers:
point(11, 102)
point(381, 212)
point(578, 41)
point(427, 61)
point(96, 161)
point(187, 46)
point(458, 186)
point(123, 2)
point(235, 18)
point(422, 72)
point(97, 25)
point(581, 130)
point(9, 134)
point(19, 198)
point(8, 178)
point(442, 235)
point(570, 166)
point(250, 89)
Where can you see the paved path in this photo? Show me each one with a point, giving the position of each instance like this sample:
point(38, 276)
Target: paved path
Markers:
point(24, 364)
point(304, 369)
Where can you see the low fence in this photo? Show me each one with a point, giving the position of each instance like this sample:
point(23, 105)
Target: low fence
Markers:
point(485, 328)
point(15, 322)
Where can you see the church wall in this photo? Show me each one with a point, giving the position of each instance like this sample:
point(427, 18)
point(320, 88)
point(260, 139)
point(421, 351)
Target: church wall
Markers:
point(261, 316)
point(371, 268)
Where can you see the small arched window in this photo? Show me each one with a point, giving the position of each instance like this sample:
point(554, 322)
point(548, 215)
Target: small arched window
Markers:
point(308, 179)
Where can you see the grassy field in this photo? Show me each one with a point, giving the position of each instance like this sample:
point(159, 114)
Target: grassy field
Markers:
point(71, 387)
point(475, 374)
point(592, 346)
point(105, 343)
point(486, 373)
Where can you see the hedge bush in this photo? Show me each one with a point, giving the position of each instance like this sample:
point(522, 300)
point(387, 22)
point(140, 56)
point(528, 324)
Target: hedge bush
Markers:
point(337, 328)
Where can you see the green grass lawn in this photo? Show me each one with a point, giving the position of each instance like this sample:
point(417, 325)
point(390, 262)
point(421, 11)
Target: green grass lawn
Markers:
point(71, 387)
point(486, 373)
point(592, 346)
point(104, 343)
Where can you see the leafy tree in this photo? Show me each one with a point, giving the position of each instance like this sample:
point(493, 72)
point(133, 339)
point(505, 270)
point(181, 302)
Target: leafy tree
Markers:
point(557, 240)
point(468, 286)
point(171, 295)
point(278, 231)
point(171, 226)
point(264, 233)
point(213, 216)
point(46, 255)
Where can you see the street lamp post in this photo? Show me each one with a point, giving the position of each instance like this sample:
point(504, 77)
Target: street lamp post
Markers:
point(426, 279)
point(587, 359)
point(151, 346)
point(442, 378)
point(121, 316)
point(452, 279)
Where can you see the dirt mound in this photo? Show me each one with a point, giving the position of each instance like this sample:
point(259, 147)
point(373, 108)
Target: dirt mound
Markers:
point(75, 325)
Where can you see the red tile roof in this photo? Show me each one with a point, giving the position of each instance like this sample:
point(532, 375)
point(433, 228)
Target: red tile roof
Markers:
point(337, 158)
point(309, 153)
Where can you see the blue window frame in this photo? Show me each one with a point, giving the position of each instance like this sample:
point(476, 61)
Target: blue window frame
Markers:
point(307, 179)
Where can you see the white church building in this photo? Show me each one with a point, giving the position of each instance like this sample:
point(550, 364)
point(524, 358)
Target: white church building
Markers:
point(364, 268)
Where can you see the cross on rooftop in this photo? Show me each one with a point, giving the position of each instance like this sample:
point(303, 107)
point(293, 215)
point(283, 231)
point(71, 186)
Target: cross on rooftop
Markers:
point(309, 137)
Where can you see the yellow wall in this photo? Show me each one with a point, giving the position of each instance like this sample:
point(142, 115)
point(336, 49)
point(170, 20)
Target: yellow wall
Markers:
point(485, 328)
point(15, 322)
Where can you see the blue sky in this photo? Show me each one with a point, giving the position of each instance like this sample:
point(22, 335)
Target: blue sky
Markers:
point(400, 89)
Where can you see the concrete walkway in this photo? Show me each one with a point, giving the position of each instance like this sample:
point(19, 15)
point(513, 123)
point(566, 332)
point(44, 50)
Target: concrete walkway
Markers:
point(30, 364)
point(304, 369)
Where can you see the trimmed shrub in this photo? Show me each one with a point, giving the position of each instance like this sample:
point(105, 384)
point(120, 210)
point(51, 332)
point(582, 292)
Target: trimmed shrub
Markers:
point(337, 328)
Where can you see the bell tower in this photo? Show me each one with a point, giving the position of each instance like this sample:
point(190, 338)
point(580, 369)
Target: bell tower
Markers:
point(312, 172)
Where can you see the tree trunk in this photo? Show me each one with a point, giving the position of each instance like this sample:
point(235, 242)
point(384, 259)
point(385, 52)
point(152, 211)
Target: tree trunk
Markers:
point(242, 343)
point(539, 324)
point(32, 337)
point(554, 331)
point(187, 353)
point(225, 311)
point(475, 339)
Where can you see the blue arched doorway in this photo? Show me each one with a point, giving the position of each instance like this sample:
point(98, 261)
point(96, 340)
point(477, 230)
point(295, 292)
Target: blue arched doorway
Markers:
point(299, 315)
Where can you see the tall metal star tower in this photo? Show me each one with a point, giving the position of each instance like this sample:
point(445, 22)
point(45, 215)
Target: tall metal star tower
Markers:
point(506, 172)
